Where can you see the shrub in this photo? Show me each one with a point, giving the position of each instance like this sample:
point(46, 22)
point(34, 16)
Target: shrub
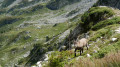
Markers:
point(36, 53)
point(94, 15)
point(8, 20)
point(59, 59)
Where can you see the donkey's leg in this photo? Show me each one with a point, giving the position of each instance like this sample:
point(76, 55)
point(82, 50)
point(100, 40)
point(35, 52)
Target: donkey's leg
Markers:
point(87, 46)
point(80, 51)
point(75, 52)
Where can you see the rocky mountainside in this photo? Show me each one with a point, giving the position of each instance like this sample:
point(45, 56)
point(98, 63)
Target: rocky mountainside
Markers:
point(31, 28)
point(34, 33)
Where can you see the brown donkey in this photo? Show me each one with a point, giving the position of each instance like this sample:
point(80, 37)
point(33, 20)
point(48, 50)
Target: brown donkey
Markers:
point(79, 45)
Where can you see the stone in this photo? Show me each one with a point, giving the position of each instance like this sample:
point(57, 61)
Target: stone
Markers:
point(33, 66)
point(118, 30)
point(88, 55)
point(90, 44)
point(27, 37)
point(38, 27)
point(55, 25)
point(39, 64)
point(46, 59)
point(114, 39)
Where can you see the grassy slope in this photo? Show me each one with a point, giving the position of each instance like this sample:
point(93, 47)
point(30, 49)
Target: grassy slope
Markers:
point(107, 54)
point(13, 42)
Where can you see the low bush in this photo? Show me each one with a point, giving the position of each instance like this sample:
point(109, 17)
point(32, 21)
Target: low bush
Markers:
point(59, 59)
point(94, 15)
point(8, 20)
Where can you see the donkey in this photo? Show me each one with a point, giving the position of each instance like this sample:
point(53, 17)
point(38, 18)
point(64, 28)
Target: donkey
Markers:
point(79, 45)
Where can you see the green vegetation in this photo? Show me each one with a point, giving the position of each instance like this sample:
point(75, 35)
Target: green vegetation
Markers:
point(115, 20)
point(110, 60)
point(6, 3)
point(105, 50)
point(8, 20)
point(31, 39)
point(95, 15)
point(101, 31)
point(14, 41)
point(59, 59)
point(7, 23)
point(26, 11)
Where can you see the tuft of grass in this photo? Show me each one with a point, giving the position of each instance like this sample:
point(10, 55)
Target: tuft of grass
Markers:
point(110, 60)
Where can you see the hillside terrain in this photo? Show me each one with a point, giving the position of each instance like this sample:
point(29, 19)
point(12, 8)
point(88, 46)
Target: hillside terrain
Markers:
point(104, 40)
point(40, 33)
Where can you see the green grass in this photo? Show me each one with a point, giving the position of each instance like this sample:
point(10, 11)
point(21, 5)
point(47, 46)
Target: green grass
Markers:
point(59, 59)
point(62, 58)
point(9, 42)
point(115, 20)
point(8, 23)
point(95, 15)
point(102, 30)
point(105, 50)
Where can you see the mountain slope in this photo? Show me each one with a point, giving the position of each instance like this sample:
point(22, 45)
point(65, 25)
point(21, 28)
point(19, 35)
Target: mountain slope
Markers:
point(104, 41)
point(30, 29)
